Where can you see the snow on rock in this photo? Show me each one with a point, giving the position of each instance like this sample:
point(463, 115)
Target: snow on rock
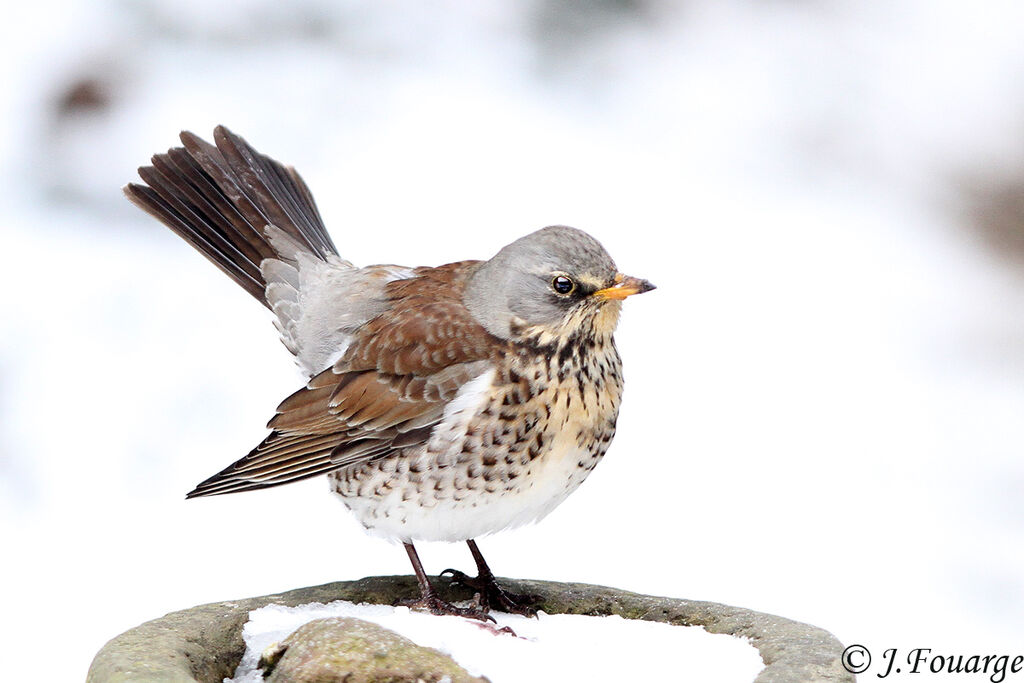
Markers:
point(556, 647)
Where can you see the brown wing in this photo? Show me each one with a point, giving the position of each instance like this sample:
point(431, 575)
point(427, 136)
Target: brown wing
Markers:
point(387, 392)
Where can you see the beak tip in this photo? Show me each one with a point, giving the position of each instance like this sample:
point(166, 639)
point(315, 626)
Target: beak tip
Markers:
point(625, 286)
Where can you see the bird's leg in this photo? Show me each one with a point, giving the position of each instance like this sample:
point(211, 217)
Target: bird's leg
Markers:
point(429, 599)
point(490, 593)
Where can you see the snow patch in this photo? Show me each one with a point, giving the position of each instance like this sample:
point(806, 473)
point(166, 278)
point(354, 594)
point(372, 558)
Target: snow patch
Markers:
point(553, 647)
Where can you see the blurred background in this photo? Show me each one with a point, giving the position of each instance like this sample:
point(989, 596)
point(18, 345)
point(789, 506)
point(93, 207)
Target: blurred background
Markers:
point(824, 410)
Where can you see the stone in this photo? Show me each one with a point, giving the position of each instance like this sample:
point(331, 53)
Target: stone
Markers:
point(204, 644)
point(348, 650)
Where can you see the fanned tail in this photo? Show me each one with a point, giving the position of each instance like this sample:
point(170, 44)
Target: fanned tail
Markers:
point(221, 199)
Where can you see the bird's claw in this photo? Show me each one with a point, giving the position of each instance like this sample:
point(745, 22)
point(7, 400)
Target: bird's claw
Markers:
point(490, 595)
point(436, 605)
point(458, 577)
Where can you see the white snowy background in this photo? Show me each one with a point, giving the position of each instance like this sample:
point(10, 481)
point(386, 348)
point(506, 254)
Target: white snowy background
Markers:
point(824, 412)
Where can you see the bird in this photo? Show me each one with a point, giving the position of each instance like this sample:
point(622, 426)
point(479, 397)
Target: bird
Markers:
point(443, 403)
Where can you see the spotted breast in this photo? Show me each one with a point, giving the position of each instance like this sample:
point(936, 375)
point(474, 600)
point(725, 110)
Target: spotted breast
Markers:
point(516, 440)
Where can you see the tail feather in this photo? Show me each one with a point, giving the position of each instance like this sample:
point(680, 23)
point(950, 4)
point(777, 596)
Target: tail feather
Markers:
point(290, 204)
point(221, 200)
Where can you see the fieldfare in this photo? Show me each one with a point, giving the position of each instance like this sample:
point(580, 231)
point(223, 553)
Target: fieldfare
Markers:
point(443, 403)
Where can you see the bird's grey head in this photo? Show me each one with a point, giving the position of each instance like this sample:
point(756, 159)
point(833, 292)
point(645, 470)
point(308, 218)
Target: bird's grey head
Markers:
point(554, 280)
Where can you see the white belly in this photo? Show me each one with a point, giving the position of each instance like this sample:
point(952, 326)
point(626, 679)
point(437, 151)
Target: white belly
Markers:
point(479, 513)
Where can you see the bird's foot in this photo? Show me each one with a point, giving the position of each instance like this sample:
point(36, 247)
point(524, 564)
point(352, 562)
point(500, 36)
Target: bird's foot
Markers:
point(435, 605)
point(490, 595)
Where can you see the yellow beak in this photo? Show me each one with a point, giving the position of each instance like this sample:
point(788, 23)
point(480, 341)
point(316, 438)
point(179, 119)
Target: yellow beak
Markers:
point(625, 285)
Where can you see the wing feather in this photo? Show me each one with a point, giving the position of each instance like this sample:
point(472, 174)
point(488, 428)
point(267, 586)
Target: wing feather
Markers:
point(386, 393)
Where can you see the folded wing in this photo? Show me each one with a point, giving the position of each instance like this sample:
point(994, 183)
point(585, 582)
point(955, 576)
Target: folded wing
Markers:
point(387, 392)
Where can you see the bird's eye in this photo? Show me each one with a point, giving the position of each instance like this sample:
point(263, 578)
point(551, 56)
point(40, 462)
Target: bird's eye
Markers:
point(562, 284)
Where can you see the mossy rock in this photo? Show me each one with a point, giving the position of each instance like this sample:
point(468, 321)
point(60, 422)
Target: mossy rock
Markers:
point(348, 650)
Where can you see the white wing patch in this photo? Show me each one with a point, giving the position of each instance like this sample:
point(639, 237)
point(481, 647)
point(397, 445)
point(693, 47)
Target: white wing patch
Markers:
point(447, 437)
